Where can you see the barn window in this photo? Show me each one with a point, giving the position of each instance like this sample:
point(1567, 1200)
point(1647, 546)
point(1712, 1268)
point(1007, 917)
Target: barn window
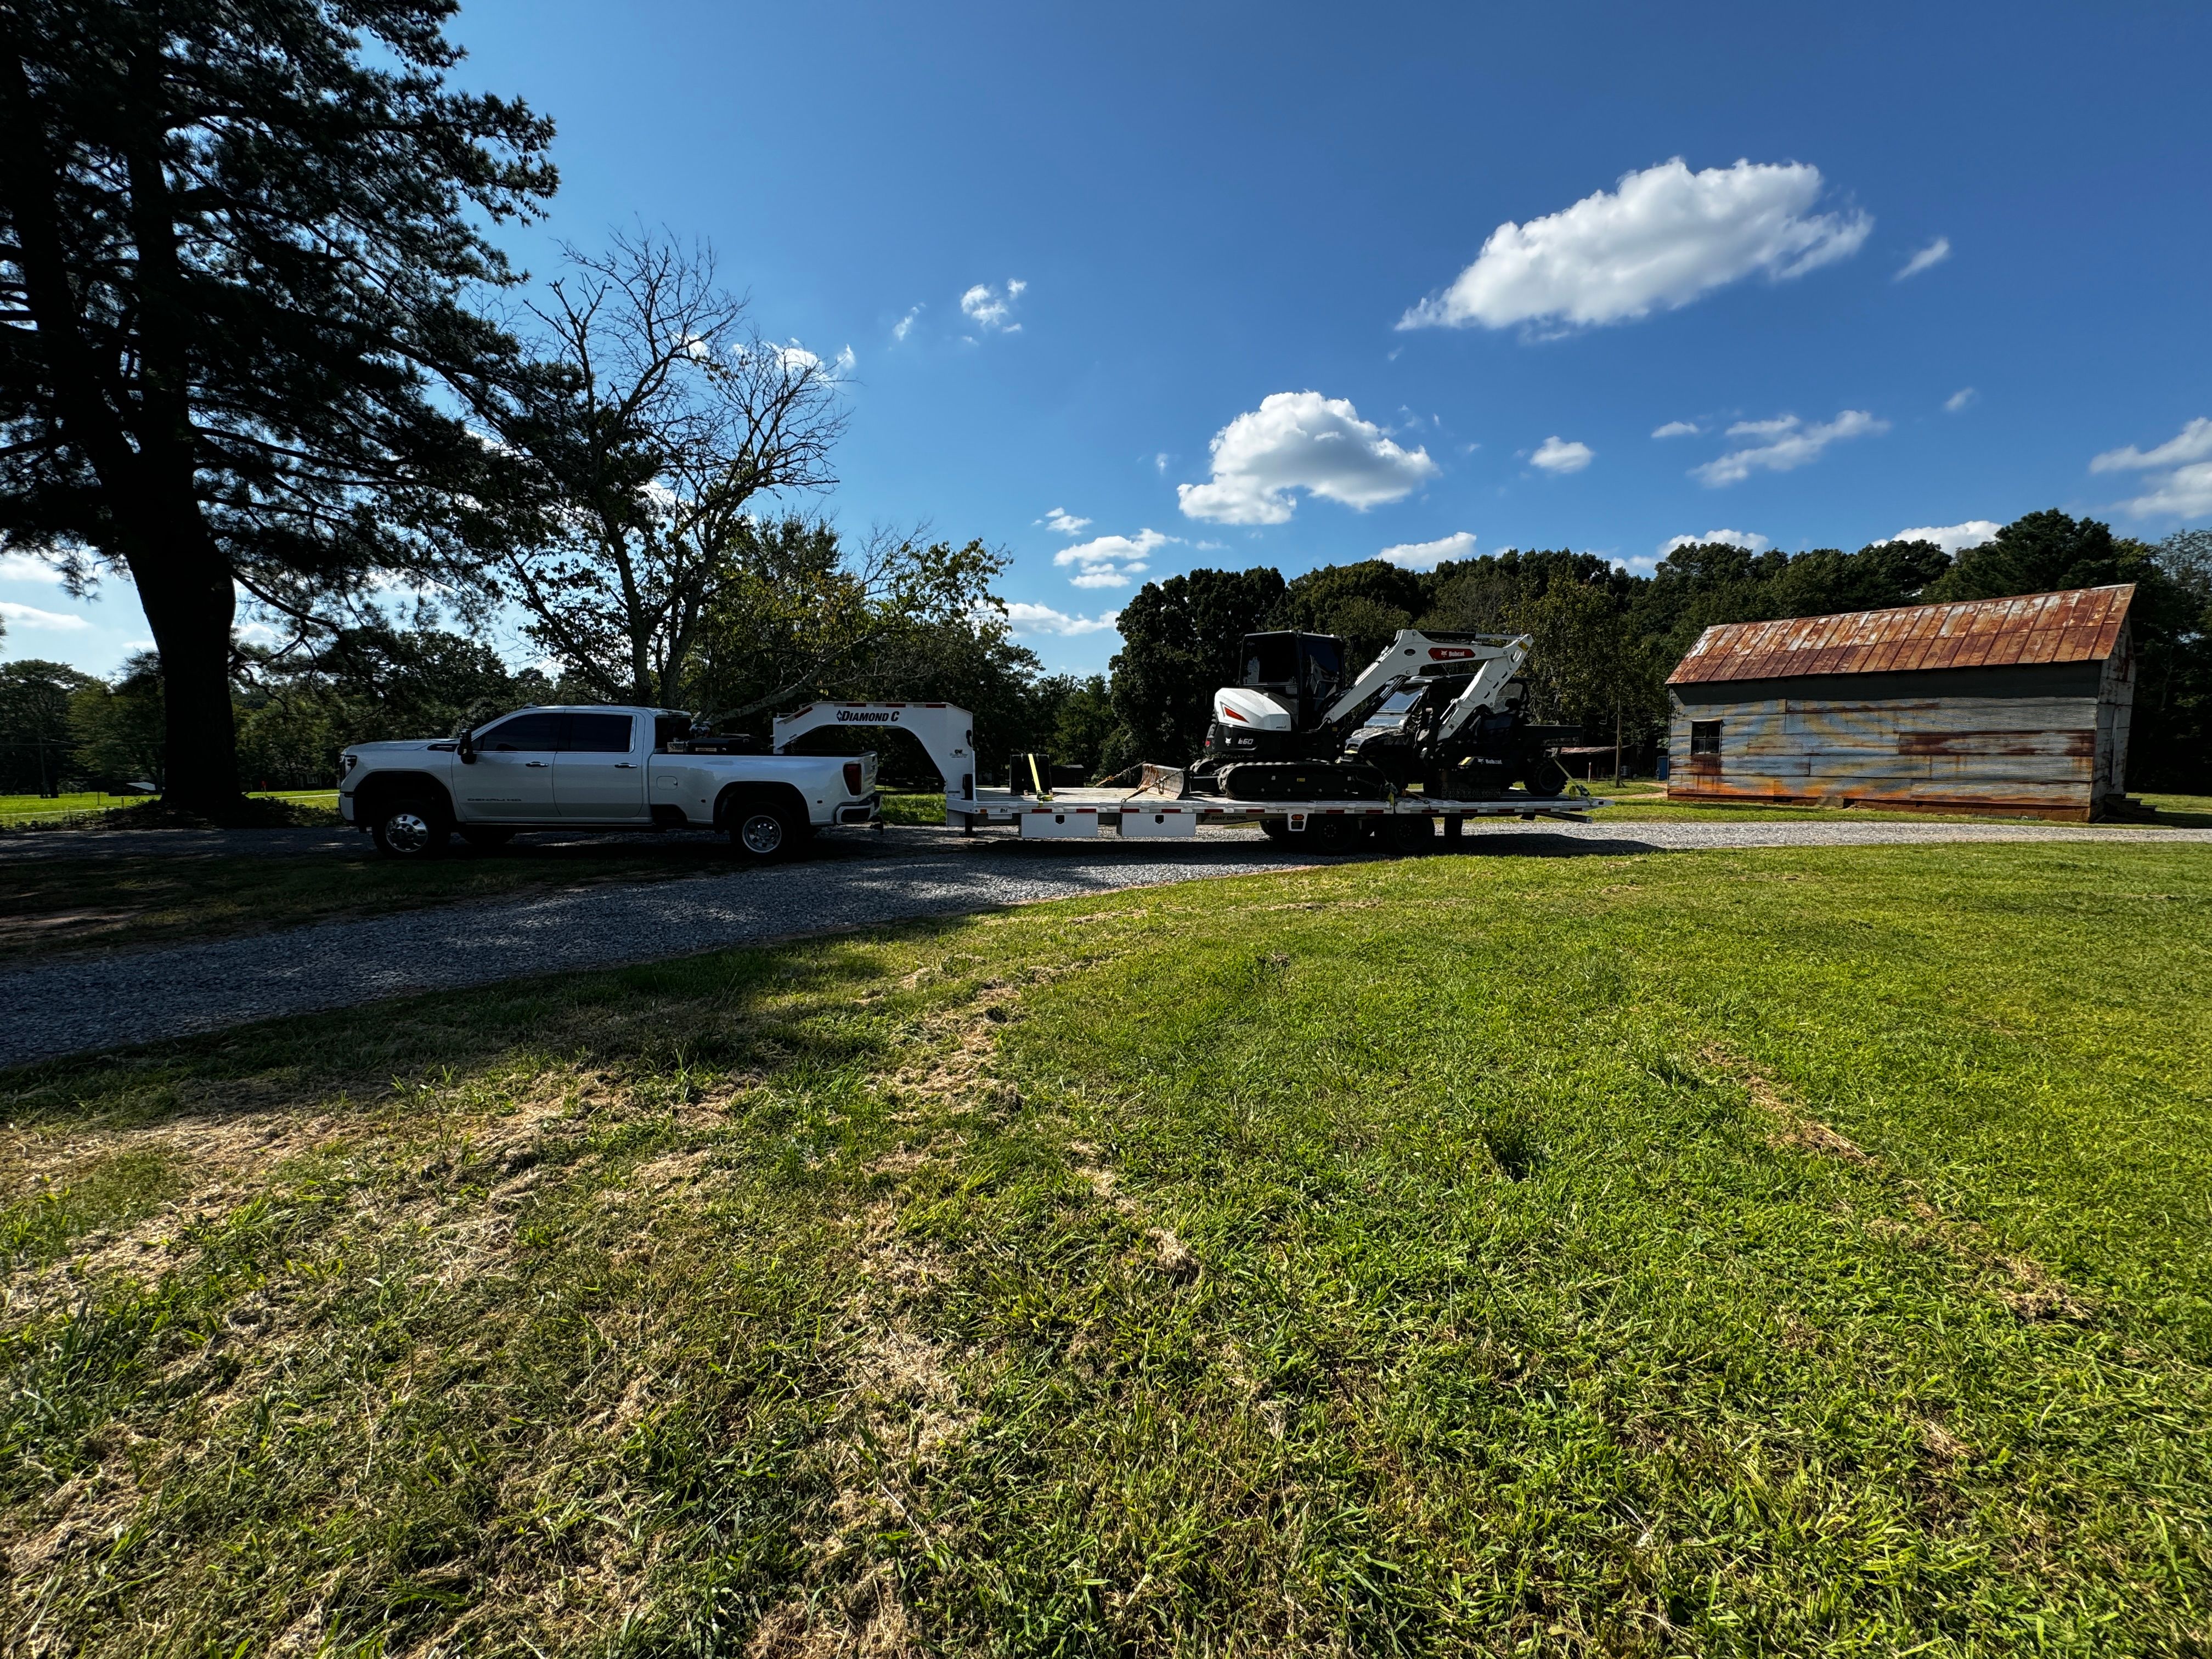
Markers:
point(1704, 736)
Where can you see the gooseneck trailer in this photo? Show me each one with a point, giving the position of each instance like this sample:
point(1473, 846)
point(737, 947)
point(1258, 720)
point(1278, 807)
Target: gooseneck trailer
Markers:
point(1156, 803)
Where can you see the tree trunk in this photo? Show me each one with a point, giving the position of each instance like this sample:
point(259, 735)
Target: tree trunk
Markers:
point(190, 605)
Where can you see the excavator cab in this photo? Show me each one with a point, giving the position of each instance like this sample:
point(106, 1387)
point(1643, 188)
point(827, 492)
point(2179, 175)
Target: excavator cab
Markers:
point(1303, 672)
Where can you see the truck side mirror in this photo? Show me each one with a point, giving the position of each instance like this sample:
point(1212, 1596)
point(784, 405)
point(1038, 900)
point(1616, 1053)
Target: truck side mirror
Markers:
point(465, 746)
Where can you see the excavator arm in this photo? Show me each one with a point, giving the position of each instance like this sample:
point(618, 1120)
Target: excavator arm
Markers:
point(1493, 659)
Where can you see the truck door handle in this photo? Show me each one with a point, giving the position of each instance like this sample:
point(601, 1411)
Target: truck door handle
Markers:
point(537, 762)
point(625, 766)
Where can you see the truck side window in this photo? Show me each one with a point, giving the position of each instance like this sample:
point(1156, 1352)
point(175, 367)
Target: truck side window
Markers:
point(597, 734)
point(1704, 736)
point(537, 733)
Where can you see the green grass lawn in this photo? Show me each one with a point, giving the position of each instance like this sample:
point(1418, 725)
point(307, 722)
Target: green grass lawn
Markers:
point(1779, 1252)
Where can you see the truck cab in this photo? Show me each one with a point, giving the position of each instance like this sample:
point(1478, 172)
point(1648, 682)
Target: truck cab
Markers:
point(597, 767)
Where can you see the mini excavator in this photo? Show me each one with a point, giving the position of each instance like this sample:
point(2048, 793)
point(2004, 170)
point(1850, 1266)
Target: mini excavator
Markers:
point(1442, 713)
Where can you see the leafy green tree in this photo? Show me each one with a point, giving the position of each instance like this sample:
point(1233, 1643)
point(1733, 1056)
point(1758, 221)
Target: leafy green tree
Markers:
point(121, 727)
point(1364, 603)
point(800, 614)
point(2043, 552)
point(37, 744)
point(1696, 588)
point(1181, 640)
point(1085, 730)
point(235, 244)
point(296, 714)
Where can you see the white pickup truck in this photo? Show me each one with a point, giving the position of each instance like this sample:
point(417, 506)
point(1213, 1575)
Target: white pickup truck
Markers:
point(597, 768)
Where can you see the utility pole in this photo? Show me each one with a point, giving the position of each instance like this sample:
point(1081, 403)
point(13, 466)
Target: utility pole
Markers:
point(1616, 744)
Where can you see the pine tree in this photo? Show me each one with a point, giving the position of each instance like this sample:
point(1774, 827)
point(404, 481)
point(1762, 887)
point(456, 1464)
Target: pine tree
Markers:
point(237, 240)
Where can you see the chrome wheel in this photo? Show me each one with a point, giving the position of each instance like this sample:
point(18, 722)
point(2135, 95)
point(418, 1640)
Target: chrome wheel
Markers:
point(411, 829)
point(762, 834)
point(407, 832)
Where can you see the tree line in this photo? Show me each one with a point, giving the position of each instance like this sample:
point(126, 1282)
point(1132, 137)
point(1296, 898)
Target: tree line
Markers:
point(1604, 639)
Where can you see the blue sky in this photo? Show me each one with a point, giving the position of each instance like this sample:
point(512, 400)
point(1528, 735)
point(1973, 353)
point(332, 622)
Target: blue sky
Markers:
point(1221, 217)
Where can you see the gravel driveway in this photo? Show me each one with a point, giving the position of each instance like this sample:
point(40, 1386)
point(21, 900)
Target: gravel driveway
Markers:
point(859, 880)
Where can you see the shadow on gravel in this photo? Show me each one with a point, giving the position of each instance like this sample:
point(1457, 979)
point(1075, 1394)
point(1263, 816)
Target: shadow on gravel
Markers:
point(681, 1016)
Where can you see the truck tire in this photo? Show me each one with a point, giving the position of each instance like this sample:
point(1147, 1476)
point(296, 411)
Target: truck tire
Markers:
point(487, 837)
point(763, 829)
point(410, 828)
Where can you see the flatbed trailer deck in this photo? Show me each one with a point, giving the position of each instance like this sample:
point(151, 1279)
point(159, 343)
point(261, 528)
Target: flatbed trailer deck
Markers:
point(1078, 813)
point(1157, 809)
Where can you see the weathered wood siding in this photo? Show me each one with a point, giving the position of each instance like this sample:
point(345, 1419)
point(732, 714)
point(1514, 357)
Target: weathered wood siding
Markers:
point(2116, 703)
point(2018, 705)
point(2047, 756)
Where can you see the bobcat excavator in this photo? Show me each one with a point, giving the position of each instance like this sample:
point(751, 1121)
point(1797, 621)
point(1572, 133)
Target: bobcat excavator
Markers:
point(1442, 713)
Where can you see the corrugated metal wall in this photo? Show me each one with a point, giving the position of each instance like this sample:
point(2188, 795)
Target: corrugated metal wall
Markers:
point(2011, 754)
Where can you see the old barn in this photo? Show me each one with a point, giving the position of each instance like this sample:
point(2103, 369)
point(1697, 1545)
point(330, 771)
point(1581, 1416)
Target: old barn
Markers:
point(2011, 706)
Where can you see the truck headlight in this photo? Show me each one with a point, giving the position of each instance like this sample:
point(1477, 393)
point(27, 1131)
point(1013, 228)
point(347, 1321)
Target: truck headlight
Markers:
point(347, 763)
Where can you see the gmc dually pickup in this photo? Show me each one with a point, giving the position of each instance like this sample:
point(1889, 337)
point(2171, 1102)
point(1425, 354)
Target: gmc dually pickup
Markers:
point(597, 768)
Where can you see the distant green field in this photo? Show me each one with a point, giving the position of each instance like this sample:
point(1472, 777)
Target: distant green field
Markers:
point(32, 809)
point(28, 811)
point(1788, 1252)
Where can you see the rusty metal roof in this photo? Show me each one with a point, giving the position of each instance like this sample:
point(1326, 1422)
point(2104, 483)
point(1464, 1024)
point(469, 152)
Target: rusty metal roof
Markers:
point(2082, 624)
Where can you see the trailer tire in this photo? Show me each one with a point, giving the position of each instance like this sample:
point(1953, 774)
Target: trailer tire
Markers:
point(1406, 835)
point(410, 828)
point(1276, 830)
point(1332, 833)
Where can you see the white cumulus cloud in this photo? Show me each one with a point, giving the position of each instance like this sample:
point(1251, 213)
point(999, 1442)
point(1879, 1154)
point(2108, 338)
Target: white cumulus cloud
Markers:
point(1951, 538)
point(1959, 399)
point(1665, 237)
point(794, 357)
point(1554, 456)
point(2180, 469)
point(1030, 620)
point(1750, 541)
point(1062, 522)
point(1933, 254)
point(1427, 556)
point(29, 616)
point(992, 309)
point(27, 567)
point(1676, 430)
point(1110, 561)
point(1302, 441)
point(1790, 443)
